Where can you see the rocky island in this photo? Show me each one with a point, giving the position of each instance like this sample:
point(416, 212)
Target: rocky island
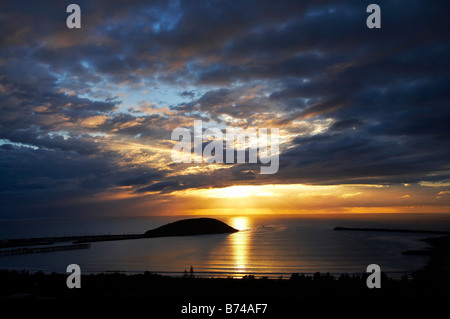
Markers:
point(192, 226)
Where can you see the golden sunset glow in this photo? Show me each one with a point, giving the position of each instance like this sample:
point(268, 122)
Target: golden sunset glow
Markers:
point(300, 199)
point(281, 199)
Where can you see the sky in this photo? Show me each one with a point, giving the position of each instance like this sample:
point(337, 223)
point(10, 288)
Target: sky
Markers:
point(86, 115)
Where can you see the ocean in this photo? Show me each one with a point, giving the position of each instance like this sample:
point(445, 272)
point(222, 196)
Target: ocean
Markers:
point(270, 245)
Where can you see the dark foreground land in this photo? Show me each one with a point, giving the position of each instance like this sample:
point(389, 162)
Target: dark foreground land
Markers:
point(168, 295)
point(117, 286)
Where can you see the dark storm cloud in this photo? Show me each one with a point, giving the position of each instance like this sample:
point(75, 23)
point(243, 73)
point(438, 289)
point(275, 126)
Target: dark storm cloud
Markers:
point(34, 111)
point(188, 94)
point(346, 124)
point(143, 178)
point(384, 91)
point(55, 181)
point(356, 157)
point(24, 169)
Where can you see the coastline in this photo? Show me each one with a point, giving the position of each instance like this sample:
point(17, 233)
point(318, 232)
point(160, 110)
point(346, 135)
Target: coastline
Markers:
point(438, 251)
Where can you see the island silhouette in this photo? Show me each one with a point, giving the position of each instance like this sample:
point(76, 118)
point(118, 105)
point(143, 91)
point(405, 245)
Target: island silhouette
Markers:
point(190, 227)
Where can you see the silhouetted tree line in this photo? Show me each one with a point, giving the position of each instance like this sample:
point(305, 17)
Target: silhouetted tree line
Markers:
point(158, 287)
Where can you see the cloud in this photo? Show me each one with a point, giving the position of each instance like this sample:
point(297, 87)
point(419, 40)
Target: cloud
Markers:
point(346, 124)
point(160, 186)
point(142, 179)
point(90, 111)
point(350, 195)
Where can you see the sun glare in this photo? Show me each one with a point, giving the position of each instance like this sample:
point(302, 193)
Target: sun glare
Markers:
point(240, 223)
point(238, 191)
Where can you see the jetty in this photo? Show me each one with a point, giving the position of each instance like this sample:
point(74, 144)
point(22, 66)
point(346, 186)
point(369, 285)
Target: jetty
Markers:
point(26, 250)
point(395, 230)
point(185, 227)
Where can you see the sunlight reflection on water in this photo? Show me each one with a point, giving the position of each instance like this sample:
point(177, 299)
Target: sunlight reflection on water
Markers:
point(240, 242)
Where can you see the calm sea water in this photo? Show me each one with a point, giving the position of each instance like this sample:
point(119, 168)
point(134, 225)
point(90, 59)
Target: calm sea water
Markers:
point(270, 246)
